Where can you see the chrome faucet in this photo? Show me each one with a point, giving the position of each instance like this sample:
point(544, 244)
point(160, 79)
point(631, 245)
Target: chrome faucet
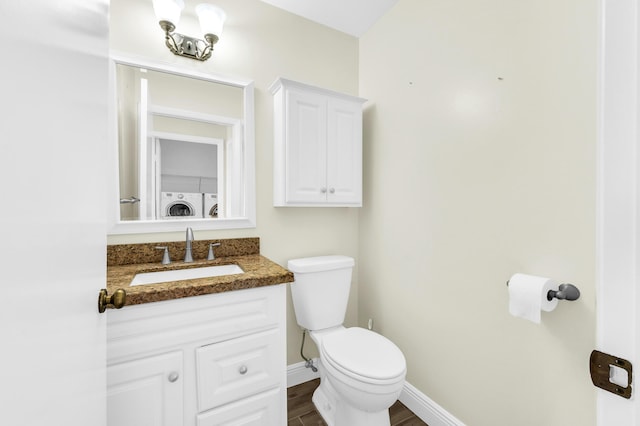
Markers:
point(188, 256)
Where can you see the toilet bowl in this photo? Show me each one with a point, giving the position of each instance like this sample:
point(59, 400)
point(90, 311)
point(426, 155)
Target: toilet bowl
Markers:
point(365, 372)
point(361, 372)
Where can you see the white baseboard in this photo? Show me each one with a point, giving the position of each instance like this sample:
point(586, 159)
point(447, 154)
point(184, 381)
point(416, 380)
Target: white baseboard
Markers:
point(426, 408)
point(298, 373)
point(421, 405)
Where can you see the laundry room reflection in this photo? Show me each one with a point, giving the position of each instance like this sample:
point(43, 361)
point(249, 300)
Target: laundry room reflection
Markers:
point(177, 144)
point(187, 178)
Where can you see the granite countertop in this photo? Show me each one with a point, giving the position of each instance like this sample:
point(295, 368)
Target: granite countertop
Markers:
point(258, 272)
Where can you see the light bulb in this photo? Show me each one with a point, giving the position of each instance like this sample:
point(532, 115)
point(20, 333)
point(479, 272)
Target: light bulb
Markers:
point(211, 18)
point(168, 10)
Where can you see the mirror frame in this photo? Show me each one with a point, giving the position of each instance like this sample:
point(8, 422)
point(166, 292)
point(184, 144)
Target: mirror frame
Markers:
point(116, 226)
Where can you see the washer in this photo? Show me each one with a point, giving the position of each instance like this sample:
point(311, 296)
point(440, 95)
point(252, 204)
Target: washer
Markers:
point(210, 205)
point(180, 205)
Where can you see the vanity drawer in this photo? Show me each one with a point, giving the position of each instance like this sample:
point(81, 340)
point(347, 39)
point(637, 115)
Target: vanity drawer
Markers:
point(261, 409)
point(237, 368)
point(145, 328)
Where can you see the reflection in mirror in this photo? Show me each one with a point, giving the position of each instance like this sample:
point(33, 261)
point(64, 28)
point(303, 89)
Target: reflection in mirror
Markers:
point(184, 150)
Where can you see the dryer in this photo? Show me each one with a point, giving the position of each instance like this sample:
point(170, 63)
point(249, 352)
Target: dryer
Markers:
point(210, 205)
point(180, 205)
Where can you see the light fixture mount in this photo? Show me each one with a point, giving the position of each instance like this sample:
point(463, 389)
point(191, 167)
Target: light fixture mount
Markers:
point(189, 47)
point(211, 21)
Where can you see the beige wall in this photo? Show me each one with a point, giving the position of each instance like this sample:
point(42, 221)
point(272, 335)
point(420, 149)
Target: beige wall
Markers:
point(261, 42)
point(479, 163)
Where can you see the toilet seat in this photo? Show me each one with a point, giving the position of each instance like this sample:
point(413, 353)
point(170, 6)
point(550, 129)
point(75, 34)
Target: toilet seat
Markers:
point(364, 355)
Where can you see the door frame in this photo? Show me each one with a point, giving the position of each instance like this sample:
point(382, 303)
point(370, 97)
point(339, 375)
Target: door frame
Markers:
point(617, 198)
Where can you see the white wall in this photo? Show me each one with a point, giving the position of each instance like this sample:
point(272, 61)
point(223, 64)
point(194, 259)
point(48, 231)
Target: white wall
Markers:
point(262, 43)
point(479, 163)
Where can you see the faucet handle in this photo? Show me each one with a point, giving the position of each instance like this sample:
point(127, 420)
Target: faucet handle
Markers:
point(211, 254)
point(165, 257)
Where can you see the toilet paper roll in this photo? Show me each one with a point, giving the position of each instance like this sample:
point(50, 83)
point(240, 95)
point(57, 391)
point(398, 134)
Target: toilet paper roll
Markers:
point(528, 296)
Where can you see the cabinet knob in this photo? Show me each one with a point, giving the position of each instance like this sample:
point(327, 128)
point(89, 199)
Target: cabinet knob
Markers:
point(173, 377)
point(243, 369)
point(332, 190)
point(323, 190)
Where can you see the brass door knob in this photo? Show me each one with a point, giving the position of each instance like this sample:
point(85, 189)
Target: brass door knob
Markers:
point(117, 299)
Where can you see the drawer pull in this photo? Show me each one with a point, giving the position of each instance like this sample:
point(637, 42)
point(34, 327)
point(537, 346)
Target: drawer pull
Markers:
point(173, 377)
point(243, 369)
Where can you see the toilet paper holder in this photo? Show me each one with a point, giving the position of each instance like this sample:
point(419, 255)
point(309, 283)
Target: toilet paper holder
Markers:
point(564, 292)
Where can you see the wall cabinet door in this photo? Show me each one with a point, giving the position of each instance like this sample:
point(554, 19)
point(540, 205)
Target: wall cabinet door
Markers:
point(317, 146)
point(344, 152)
point(306, 163)
point(146, 392)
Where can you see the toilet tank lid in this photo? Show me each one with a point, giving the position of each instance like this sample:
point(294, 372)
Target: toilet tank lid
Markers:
point(320, 263)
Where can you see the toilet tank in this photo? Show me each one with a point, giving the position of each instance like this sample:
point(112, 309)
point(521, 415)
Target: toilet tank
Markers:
point(320, 290)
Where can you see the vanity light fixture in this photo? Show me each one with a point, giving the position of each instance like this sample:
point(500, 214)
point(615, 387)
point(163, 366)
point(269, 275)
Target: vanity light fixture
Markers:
point(211, 22)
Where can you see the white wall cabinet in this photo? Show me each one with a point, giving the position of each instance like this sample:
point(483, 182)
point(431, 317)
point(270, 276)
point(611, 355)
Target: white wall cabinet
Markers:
point(317, 146)
point(199, 361)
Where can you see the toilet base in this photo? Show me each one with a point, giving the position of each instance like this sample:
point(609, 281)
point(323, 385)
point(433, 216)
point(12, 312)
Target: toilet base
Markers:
point(336, 413)
point(325, 404)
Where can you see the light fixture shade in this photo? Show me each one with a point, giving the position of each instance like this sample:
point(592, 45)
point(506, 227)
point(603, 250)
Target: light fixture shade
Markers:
point(168, 10)
point(211, 18)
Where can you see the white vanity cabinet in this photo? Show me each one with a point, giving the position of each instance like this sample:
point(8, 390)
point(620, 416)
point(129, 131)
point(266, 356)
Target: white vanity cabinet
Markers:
point(317, 146)
point(199, 361)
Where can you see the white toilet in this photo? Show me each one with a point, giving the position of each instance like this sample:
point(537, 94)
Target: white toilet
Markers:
point(361, 372)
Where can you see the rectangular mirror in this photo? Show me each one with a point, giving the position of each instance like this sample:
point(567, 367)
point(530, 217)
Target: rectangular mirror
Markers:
point(183, 149)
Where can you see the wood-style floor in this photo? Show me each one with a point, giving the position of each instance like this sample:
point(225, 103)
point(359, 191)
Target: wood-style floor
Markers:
point(301, 411)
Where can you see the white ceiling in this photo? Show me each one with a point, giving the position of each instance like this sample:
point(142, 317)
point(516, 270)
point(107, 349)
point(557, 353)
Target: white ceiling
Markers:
point(353, 17)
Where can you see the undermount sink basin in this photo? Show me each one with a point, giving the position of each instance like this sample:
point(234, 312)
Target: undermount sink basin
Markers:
point(185, 274)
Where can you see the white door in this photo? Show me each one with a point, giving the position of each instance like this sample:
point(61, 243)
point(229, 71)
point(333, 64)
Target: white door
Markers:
point(53, 136)
point(618, 208)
